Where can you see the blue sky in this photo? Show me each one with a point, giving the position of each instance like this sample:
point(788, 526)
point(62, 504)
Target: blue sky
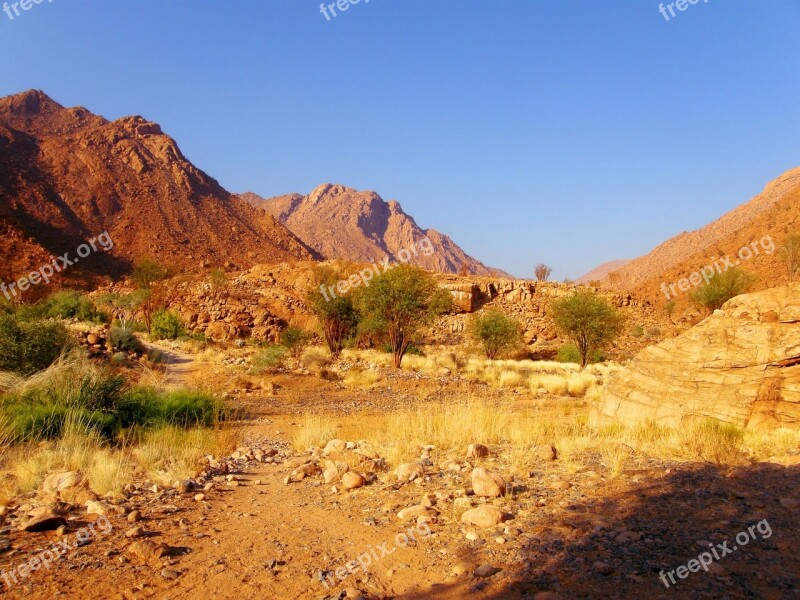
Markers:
point(565, 131)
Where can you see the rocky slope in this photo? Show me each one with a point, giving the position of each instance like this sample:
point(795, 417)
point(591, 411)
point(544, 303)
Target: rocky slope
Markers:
point(774, 213)
point(741, 366)
point(67, 175)
point(343, 223)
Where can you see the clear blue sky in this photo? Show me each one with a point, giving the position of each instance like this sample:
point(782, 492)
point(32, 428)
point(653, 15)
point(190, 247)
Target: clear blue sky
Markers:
point(563, 131)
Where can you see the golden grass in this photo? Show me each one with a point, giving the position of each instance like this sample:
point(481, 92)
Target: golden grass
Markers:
point(357, 377)
point(315, 430)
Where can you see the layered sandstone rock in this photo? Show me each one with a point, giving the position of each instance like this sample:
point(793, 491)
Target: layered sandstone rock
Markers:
point(741, 366)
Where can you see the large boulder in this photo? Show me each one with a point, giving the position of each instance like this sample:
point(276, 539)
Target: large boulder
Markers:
point(741, 365)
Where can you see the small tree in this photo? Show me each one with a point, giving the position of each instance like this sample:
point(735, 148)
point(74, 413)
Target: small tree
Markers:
point(496, 332)
point(791, 254)
point(166, 325)
point(146, 274)
point(542, 272)
point(337, 314)
point(294, 340)
point(587, 320)
point(400, 302)
point(722, 288)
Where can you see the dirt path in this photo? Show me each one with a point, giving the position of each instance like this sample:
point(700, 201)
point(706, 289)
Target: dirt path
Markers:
point(179, 365)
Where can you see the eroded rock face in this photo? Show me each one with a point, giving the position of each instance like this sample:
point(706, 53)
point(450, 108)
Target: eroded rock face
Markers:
point(741, 365)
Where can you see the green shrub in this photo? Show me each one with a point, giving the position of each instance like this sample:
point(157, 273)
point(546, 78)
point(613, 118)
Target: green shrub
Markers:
point(166, 325)
point(496, 332)
point(637, 331)
point(30, 346)
point(124, 340)
point(146, 407)
point(723, 287)
point(269, 358)
point(293, 339)
point(119, 359)
point(73, 305)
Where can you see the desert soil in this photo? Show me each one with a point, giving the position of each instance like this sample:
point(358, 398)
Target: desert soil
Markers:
point(574, 532)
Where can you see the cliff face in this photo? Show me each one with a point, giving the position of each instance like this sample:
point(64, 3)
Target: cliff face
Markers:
point(67, 175)
point(347, 224)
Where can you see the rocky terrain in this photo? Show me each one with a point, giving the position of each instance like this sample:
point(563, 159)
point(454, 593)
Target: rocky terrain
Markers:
point(772, 213)
point(67, 175)
point(740, 366)
point(340, 222)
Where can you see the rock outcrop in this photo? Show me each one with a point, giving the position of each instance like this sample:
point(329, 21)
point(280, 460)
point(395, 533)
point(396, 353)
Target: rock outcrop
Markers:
point(741, 365)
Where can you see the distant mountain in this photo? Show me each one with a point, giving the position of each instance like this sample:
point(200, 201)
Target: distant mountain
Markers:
point(769, 218)
point(340, 222)
point(602, 271)
point(67, 175)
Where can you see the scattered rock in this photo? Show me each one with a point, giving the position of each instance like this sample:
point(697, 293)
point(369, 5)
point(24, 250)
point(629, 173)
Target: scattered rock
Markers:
point(351, 481)
point(409, 471)
point(487, 484)
point(485, 570)
point(483, 516)
point(477, 451)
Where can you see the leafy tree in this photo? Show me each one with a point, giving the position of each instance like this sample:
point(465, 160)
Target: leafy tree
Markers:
point(496, 332)
point(722, 288)
point(791, 254)
point(337, 315)
point(588, 320)
point(146, 274)
point(542, 272)
point(400, 302)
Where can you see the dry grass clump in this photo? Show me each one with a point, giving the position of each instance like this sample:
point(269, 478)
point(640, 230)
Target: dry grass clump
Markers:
point(315, 359)
point(315, 430)
point(357, 377)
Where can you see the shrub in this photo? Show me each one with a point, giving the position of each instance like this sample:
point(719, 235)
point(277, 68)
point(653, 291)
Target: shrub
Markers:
point(71, 304)
point(569, 353)
point(218, 278)
point(723, 287)
point(315, 360)
point(542, 272)
point(337, 315)
point(166, 325)
point(496, 332)
point(124, 340)
point(119, 359)
point(293, 339)
point(27, 347)
point(268, 359)
point(637, 331)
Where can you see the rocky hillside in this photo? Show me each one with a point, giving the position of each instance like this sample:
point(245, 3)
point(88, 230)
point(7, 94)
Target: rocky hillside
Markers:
point(261, 302)
point(343, 223)
point(67, 175)
point(775, 212)
point(601, 272)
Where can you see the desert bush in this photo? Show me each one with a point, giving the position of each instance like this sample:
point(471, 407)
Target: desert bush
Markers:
point(337, 315)
point(294, 339)
point(569, 353)
point(637, 331)
point(124, 340)
point(267, 359)
point(147, 407)
point(723, 287)
point(588, 320)
point(30, 346)
point(496, 332)
point(218, 278)
point(71, 304)
point(166, 325)
point(542, 272)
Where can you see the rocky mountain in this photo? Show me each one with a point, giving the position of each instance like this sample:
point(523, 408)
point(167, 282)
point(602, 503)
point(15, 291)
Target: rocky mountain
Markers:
point(601, 272)
point(343, 223)
point(67, 175)
point(759, 224)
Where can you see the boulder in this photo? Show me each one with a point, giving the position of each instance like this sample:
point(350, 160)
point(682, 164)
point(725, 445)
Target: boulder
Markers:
point(487, 484)
point(483, 516)
point(741, 365)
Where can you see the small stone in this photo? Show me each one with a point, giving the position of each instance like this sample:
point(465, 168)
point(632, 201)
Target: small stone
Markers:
point(199, 497)
point(487, 484)
point(477, 451)
point(602, 568)
point(352, 480)
point(135, 532)
point(170, 574)
point(409, 471)
point(135, 516)
point(485, 570)
point(483, 516)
